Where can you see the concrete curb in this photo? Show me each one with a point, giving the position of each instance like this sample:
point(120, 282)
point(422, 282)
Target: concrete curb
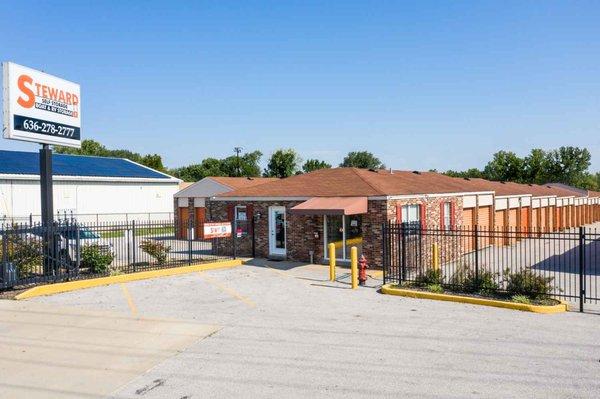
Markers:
point(50, 289)
point(389, 289)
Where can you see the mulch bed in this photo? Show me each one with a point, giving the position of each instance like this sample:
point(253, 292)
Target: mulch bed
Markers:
point(498, 296)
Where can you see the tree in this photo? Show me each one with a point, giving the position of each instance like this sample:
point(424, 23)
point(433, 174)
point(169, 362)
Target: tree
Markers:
point(569, 165)
point(195, 172)
point(88, 147)
point(314, 164)
point(249, 167)
point(472, 172)
point(283, 163)
point(535, 167)
point(505, 166)
point(153, 161)
point(362, 159)
point(94, 148)
point(248, 163)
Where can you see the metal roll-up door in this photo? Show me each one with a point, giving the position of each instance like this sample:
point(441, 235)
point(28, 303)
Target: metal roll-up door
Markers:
point(183, 221)
point(542, 219)
point(499, 220)
point(200, 217)
point(535, 214)
point(512, 218)
point(468, 220)
point(483, 217)
point(525, 223)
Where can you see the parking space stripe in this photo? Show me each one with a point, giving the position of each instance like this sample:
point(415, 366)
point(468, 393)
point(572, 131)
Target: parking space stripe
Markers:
point(129, 299)
point(227, 290)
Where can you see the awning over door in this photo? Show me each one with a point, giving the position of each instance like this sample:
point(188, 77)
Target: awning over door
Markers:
point(331, 206)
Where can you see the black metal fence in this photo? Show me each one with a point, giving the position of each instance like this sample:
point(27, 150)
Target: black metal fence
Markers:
point(569, 260)
point(33, 254)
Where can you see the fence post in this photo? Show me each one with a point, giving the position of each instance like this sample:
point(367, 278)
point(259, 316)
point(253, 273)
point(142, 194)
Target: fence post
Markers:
point(385, 250)
point(134, 248)
point(189, 239)
point(4, 259)
point(477, 254)
point(77, 250)
point(403, 253)
point(581, 267)
point(234, 238)
point(253, 238)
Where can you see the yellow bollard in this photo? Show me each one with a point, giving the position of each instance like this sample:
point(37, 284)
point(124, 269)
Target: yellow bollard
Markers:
point(354, 266)
point(435, 262)
point(331, 248)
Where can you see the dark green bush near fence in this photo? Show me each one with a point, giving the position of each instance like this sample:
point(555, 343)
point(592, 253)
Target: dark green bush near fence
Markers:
point(95, 258)
point(26, 255)
point(430, 277)
point(465, 279)
point(156, 249)
point(525, 282)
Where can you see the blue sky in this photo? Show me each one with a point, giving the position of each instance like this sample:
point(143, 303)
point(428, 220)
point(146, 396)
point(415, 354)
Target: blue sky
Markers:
point(420, 84)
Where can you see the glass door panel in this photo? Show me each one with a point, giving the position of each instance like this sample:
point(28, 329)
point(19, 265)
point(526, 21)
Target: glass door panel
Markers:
point(353, 225)
point(335, 235)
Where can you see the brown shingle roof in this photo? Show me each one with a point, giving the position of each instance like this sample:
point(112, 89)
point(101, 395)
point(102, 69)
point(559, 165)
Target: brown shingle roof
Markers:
point(242, 182)
point(511, 188)
point(354, 182)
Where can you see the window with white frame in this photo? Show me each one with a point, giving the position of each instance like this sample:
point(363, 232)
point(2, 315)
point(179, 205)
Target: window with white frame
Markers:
point(447, 215)
point(411, 213)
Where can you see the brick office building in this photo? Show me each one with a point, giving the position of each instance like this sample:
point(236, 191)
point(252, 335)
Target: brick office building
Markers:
point(189, 203)
point(297, 217)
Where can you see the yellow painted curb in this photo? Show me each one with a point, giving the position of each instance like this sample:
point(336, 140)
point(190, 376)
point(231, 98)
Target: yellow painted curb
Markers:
point(56, 288)
point(389, 289)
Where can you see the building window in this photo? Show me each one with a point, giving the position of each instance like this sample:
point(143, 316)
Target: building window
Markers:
point(447, 215)
point(411, 214)
point(241, 218)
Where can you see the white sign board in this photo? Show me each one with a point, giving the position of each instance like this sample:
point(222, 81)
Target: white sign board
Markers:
point(39, 107)
point(217, 230)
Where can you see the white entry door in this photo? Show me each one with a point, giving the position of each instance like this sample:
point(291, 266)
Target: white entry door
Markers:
point(277, 230)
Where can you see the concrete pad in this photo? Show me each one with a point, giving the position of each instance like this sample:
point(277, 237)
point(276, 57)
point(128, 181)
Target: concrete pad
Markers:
point(48, 351)
point(305, 336)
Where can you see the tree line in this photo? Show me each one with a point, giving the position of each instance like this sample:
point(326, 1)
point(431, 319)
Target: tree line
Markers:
point(568, 165)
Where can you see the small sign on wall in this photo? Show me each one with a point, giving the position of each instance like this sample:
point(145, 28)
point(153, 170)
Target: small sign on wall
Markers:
point(217, 230)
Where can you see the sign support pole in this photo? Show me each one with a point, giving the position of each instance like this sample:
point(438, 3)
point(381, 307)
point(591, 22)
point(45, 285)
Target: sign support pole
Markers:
point(47, 207)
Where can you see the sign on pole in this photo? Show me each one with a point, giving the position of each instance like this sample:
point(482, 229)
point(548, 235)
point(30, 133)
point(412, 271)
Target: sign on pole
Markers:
point(40, 108)
point(217, 230)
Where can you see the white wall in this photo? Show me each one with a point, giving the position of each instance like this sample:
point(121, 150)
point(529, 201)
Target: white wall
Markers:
point(22, 197)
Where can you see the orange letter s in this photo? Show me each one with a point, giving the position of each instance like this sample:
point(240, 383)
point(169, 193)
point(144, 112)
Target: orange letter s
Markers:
point(25, 103)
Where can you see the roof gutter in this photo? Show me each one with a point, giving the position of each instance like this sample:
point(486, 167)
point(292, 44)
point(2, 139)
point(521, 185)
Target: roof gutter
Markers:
point(171, 180)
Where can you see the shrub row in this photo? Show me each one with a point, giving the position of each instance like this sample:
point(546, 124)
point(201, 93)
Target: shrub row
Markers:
point(522, 283)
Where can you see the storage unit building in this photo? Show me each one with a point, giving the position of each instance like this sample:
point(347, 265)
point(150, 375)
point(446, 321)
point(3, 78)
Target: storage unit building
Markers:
point(86, 188)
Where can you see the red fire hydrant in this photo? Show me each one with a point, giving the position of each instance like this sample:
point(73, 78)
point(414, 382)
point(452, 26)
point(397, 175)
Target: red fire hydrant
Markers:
point(362, 270)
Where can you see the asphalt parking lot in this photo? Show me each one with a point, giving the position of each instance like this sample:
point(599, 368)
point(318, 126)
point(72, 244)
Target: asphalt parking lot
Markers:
point(276, 329)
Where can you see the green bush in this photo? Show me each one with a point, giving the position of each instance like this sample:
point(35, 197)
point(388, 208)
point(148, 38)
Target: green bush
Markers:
point(430, 277)
point(525, 282)
point(25, 254)
point(521, 299)
point(156, 249)
point(465, 279)
point(96, 259)
point(436, 288)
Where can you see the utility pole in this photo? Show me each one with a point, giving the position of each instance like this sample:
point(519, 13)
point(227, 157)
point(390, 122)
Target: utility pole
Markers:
point(237, 156)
